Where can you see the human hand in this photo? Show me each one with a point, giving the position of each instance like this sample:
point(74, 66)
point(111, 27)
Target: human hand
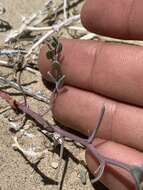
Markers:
point(100, 73)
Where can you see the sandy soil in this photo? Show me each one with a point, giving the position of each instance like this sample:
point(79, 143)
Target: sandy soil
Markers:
point(16, 172)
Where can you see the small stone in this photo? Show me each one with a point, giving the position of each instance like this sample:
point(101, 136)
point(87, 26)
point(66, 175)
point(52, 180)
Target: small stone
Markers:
point(54, 165)
point(14, 146)
point(26, 127)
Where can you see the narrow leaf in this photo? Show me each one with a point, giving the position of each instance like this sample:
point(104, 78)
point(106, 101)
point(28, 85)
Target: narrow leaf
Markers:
point(55, 42)
point(99, 172)
point(60, 82)
point(51, 78)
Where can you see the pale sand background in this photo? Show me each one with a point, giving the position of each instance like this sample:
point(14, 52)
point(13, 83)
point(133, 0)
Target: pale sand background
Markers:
point(15, 172)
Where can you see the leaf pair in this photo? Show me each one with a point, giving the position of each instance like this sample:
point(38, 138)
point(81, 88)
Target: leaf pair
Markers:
point(59, 83)
point(55, 48)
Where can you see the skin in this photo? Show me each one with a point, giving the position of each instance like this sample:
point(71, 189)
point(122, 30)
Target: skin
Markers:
point(100, 73)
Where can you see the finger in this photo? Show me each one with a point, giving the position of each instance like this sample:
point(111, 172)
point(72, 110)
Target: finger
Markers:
point(80, 110)
point(119, 19)
point(112, 70)
point(114, 177)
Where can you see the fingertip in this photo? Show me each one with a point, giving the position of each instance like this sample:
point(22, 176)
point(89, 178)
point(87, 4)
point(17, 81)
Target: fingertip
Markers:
point(106, 18)
point(119, 19)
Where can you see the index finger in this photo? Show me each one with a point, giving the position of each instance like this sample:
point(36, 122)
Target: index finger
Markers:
point(114, 18)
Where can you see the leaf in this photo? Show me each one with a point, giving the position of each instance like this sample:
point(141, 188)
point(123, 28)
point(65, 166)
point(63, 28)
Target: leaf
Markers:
point(55, 42)
point(100, 118)
point(50, 54)
point(51, 78)
point(60, 82)
point(99, 172)
point(137, 172)
point(56, 66)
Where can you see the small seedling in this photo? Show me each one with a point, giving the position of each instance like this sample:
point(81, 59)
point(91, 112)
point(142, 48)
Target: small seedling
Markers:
point(55, 74)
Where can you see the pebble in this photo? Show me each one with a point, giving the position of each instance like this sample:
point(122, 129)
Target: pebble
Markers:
point(54, 165)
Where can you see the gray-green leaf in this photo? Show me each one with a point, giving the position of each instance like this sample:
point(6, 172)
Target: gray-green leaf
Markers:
point(137, 172)
point(50, 54)
point(60, 82)
point(51, 78)
point(56, 66)
point(55, 42)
